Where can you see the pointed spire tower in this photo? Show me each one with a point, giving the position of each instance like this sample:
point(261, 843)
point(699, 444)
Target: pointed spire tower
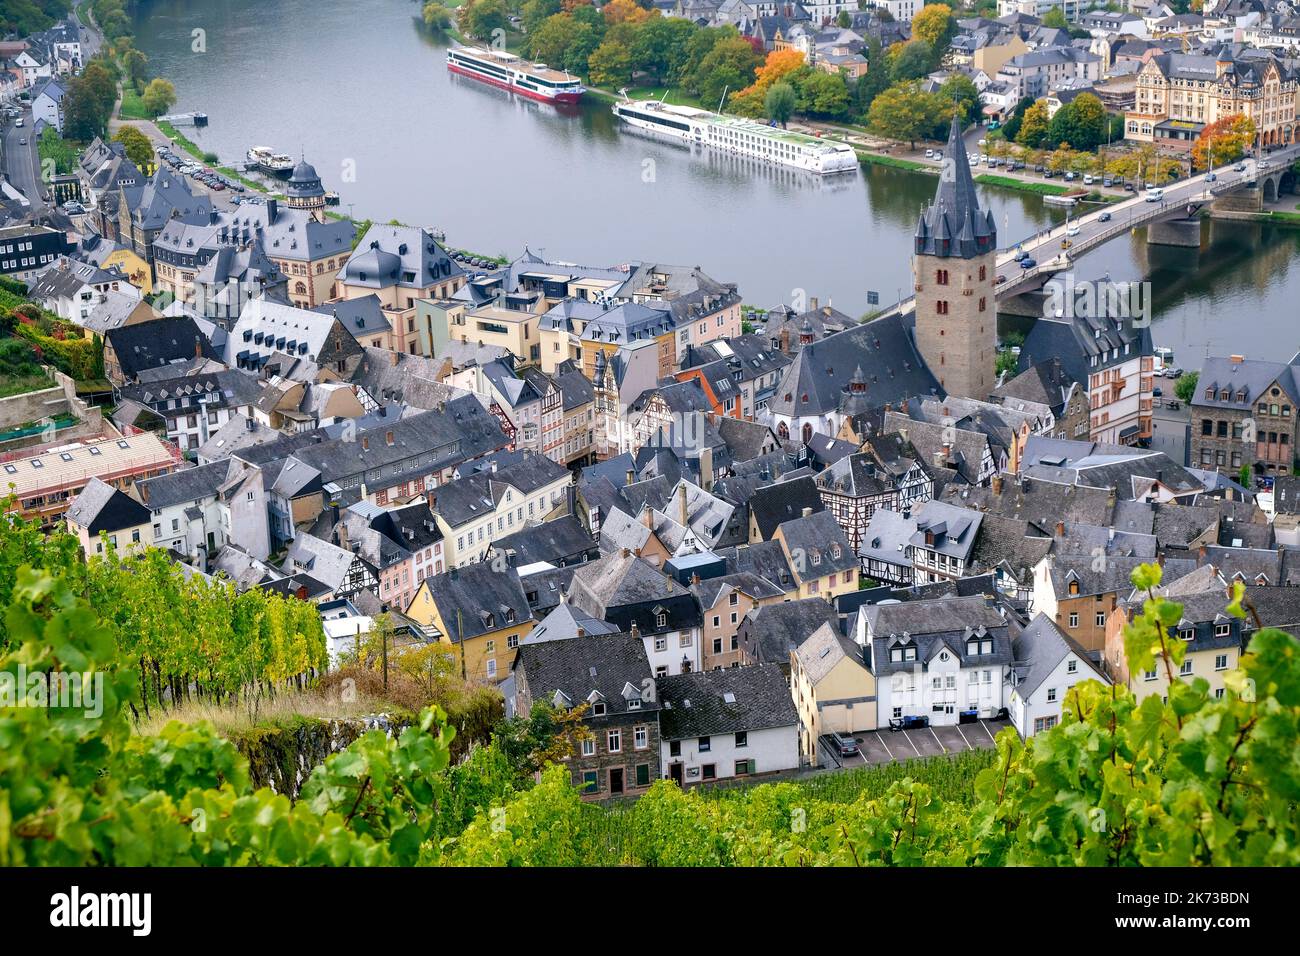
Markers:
point(954, 267)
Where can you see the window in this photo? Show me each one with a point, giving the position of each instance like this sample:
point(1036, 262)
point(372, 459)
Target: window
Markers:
point(1051, 694)
point(640, 737)
point(742, 739)
point(1044, 723)
point(710, 772)
point(643, 775)
point(590, 781)
point(1186, 669)
point(634, 703)
point(614, 739)
point(1074, 619)
point(589, 747)
point(705, 745)
point(661, 620)
point(1101, 618)
point(674, 748)
point(598, 709)
point(744, 768)
point(1187, 633)
point(1222, 630)
point(491, 667)
point(661, 643)
point(1149, 675)
point(1221, 662)
point(1071, 667)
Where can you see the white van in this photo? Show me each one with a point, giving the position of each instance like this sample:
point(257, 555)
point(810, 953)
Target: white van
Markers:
point(19, 122)
point(1155, 195)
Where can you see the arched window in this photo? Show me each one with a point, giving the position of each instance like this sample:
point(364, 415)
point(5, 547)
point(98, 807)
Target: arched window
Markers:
point(783, 432)
point(807, 433)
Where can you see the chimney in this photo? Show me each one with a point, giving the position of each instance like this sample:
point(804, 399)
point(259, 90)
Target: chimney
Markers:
point(272, 207)
point(144, 493)
point(631, 476)
point(997, 484)
point(807, 512)
point(1236, 359)
point(1160, 558)
point(812, 304)
point(634, 630)
point(365, 443)
point(695, 577)
point(341, 533)
point(1201, 552)
point(392, 358)
point(198, 347)
point(301, 593)
point(1060, 529)
point(682, 513)
point(582, 632)
point(648, 518)
point(626, 552)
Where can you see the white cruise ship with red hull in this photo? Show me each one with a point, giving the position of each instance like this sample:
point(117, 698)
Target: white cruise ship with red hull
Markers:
point(536, 81)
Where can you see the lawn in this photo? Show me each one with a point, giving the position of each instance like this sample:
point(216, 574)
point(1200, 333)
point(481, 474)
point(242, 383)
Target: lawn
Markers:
point(22, 384)
point(893, 162)
point(1009, 182)
point(132, 106)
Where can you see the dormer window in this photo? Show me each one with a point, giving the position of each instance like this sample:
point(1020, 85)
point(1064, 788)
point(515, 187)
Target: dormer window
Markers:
point(1187, 633)
point(598, 709)
point(1074, 587)
point(661, 620)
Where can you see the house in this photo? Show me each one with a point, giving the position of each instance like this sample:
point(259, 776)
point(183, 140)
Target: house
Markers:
point(45, 484)
point(940, 659)
point(819, 555)
point(725, 601)
point(1047, 663)
point(135, 350)
point(886, 548)
point(723, 724)
point(772, 505)
point(28, 249)
point(193, 407)
point(1244, 414)
point(627, 591)
point(770, 632)
point(99, 511)
point(943, 542)
point(474, 510)
point(607, 676)
point(342, 570)
point(47, 103)
point(72, 289)
point(196, 512)
point(561, 542)
point(832, 687)
point(479, 613)
point(856, 486)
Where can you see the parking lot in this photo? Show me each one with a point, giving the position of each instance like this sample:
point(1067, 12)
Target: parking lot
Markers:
point(883, 746)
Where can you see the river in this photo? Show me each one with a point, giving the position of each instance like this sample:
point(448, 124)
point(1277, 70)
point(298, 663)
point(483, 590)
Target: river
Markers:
point(363, 92)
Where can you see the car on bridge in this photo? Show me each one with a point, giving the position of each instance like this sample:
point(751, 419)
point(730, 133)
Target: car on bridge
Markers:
point(1104, 217)
point(1027, 263)
point(1211, 178)
point(1240, 167)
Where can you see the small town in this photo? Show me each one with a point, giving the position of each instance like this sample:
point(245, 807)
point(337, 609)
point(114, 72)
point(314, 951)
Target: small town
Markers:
point(540, 535)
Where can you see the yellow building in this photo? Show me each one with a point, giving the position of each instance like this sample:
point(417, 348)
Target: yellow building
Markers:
point(819, 555)
point(833, 690)
point(511, 329)
point(104, 518)
point(478, 613)
point(132, 265)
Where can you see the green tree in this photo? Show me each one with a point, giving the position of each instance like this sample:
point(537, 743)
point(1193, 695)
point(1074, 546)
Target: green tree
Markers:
point(910, 61)
point(611, 65)
point(158, 97)
point(1185, 387)
point(905, 112)
point(436, 16)
point(138, 148)
point(875, 81)
point(482, 18)
point(136, 64)
point(728, 67)
point(823, 94)
point(551, 39)
point(659, 47)
point(780, 101)
point(1082, 123)
point(534, 13)
point(960, 89)
point(1055, 18)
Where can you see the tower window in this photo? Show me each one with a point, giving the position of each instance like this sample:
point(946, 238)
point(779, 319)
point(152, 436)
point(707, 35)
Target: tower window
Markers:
point(941, 276)
point(983, 273)
point(941, 307)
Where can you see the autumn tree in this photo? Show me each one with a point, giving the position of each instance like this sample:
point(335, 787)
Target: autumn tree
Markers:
point(728, 66)
point(1223, 141)
point(778, 67)
point(1035, 126)
point(611, 64)
point(934, 24)
point(624, 11)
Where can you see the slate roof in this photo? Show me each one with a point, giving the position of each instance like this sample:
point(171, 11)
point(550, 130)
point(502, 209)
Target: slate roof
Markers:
point(765, 559)
point(773, 505)
point(626, 590)
point(824, 649)
point(708, 703)
point(954, 224)
point(778, 629)
point(953, 530)
point(817, 381)
point(184, 486)
point(405, 256)
point(711, 590)
point(612, 666)
point(470, 498)
point(101, 507)
point(485, 597)
point(933, 624)
point(887, 536)
point(821, 544)
point(564, 622)
point(157, 343)
point(1039, 648)
point(553, 541)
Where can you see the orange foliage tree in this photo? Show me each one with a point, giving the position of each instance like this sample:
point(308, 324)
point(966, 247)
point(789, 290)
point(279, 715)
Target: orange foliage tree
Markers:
point(778, 65)
point(624, 11)
point(1223, 141)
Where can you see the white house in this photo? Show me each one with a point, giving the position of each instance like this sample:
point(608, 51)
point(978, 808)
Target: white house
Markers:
point(1048, 662)
point(47, 104)
point(736, 722)
point(940, 659)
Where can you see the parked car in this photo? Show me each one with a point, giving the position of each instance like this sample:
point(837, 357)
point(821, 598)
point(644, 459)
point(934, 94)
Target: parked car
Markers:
point(1108, 181)
point(1069, 176)
point(1039, 168)
point(1128, 188)
point(1087, 180)
point(1157, 392)
point(929, 154)
point(844, 746)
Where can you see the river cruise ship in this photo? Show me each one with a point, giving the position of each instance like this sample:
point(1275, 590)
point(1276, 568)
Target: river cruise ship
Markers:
point(536, 81)
point(736, 135)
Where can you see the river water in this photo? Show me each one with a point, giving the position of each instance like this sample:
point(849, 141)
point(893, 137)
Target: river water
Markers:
point(362, 90)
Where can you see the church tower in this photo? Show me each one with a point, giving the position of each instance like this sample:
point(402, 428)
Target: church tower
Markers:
point(954, 268)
